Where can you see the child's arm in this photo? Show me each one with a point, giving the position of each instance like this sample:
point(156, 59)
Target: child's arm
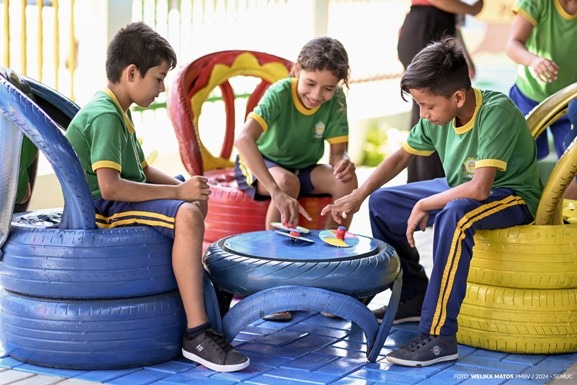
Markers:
point(246, 145)
point(477, 188)
point(115, 188)
point(470, 63)
point(543, 68)
point(458, 6)
point(343, 168)
point(387, 170)
point(156, 176)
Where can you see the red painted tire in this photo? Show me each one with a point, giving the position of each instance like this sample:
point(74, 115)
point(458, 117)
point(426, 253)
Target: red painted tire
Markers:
point(231, 211)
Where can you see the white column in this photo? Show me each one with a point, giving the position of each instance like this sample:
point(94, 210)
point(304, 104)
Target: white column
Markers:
point(320, 17)
point(96, 23)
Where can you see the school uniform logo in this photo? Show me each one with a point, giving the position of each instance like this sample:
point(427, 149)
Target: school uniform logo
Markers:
point(319, 130)
point(468, 167)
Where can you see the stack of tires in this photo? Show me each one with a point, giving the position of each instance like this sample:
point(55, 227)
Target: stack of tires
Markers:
point(522, 291)
point(522, 285)
point(74, 296)
point(89, 299)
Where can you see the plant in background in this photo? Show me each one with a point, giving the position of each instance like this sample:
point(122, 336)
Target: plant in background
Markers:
point(381, 141)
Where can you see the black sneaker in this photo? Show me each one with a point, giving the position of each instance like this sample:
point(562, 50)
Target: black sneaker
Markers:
point(425, 350)
point(409, 310)
point(212, 350)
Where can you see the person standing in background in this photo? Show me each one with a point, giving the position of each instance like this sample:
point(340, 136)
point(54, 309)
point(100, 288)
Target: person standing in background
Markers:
point(428, 21)
point(538, 44)
point(571, 192)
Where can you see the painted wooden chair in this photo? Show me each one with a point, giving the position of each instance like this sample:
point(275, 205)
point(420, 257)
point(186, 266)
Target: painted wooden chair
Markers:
point(231, 211)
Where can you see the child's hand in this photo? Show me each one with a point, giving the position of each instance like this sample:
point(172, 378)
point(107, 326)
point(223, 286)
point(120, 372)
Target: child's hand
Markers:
point(544, 69)
point(343, 207)
point(289, 209)
point(418, 218)
point(194, 189)
point(344, 170)
point(476, 8)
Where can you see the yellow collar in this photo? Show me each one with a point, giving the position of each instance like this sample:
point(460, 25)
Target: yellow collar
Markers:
point(471, 123)
point(127, 120)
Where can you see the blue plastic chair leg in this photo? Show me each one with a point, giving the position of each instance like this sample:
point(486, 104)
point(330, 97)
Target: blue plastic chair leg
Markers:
point(388, 318)
point(294, 298)
point(211, 306)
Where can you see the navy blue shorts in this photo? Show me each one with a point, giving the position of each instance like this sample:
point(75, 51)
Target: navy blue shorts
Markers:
point(159, 214)
point(247, 183)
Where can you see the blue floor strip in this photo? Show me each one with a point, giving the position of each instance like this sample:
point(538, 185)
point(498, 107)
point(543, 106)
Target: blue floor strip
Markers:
point(312, 349)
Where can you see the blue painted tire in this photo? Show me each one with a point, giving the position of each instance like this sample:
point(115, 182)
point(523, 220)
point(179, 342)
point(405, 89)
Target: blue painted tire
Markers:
point(75, 259)
point(357, 276)
point(92, 335)
point(78, 297)
point(83, 264)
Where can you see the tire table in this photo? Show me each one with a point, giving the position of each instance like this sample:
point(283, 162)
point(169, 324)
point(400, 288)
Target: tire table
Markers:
point(276, 273)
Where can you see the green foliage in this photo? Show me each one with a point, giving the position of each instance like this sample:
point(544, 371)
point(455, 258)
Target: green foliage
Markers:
point(381, 141)
point(373, 153)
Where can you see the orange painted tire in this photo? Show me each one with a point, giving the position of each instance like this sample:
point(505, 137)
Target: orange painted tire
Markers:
point(232, 211)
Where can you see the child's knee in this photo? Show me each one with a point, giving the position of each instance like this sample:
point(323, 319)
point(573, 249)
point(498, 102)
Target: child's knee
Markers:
point(288, 182)
point(190, 215)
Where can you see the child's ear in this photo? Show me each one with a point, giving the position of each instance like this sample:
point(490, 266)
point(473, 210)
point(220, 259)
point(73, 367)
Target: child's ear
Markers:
point(131, 72)
point(460, 97)
point(295, 70)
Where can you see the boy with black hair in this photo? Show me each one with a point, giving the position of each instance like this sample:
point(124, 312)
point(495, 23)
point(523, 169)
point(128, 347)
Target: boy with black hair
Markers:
point(127, 191)
point(492, 182)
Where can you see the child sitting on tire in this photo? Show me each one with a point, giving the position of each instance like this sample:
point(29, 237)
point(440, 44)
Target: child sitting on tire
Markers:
point(127, 191)
point(492, 182)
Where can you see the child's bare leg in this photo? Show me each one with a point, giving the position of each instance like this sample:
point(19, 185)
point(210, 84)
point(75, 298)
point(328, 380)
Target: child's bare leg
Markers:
point(325, 183)
point(287, 182)
point(187, 260)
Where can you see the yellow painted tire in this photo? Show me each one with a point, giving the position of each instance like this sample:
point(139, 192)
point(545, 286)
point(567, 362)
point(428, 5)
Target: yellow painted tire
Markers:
point(522, 284)
point(570, 211)
point(519, 321)
point(526, 257)
point(550, 210)
point(550, 109)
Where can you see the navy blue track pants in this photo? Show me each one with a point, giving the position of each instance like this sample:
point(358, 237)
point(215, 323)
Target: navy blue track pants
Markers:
point(454, 228)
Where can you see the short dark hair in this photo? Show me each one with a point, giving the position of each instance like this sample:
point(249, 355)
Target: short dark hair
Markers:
point(325, 53)
point(137, 44)
point(440, 67)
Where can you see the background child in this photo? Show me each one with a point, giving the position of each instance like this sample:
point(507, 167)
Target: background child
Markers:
point(492, 182)
point(284, 137)
point(428, 21)
point(571, 192)
point(122, 183)
point(538, 43)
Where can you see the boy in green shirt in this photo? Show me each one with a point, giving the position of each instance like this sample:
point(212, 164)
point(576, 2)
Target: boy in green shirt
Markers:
point(492, 182)
point(128, 191)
